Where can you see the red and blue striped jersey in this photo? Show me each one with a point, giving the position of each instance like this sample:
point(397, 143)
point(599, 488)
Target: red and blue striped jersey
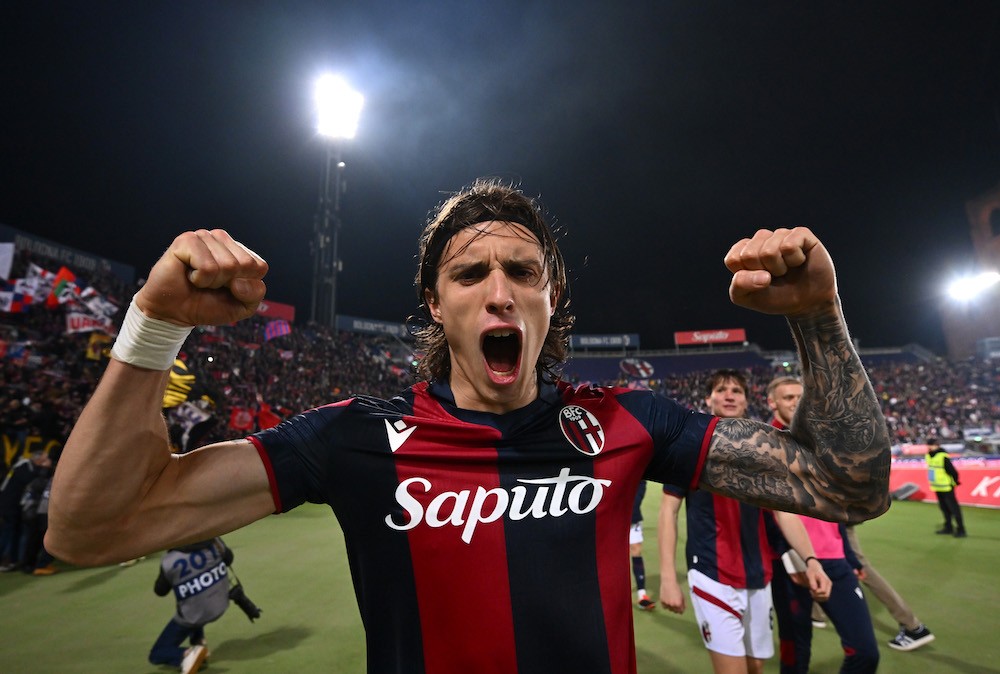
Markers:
point(727, 541)
point(484, 542)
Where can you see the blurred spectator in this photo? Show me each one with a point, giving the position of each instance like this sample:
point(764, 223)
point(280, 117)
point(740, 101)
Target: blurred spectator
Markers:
point(18, 505)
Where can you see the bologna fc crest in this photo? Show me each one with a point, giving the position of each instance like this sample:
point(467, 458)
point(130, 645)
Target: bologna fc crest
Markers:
point(582, 429)
point(636, 367)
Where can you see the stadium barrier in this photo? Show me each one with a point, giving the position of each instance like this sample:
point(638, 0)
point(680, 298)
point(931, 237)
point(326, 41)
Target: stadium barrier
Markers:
point(979, 477)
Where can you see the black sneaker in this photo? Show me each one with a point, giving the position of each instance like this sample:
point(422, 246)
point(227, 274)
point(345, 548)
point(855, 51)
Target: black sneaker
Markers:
point(947, 531)
point(909, 640)
point(645, 604)
point(960, 533)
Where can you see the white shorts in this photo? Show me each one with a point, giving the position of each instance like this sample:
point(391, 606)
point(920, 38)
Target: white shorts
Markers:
point(635, 533)
point(733, 621)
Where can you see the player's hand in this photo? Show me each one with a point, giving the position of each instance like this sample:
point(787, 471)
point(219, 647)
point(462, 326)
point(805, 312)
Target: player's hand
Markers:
point(785, 271)
point(820, 584)
point(204, 278)
point(671, 596)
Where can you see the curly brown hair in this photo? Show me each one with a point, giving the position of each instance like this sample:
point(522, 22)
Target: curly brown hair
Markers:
point(488, 199)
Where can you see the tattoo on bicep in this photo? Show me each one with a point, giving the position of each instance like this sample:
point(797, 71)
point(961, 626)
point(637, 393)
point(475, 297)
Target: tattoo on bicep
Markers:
point(747, 461)
point(834, 461)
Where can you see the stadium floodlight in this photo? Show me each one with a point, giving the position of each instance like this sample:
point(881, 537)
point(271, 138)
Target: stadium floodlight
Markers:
point(338, 107)
point(968, 288)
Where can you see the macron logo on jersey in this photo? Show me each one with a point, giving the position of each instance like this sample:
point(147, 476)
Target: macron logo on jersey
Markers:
point(398, 433)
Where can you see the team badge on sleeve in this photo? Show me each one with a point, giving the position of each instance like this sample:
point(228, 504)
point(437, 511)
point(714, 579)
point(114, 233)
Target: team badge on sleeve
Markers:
point(582, 429)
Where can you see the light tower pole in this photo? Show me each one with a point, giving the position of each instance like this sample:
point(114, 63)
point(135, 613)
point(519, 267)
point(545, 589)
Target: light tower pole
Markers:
point(338, 108)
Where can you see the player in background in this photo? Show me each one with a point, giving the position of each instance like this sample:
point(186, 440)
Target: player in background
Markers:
point(642, 600)
point(728, 557)
point(783, 394)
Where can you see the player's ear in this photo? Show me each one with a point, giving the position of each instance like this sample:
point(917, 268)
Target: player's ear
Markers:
point(555, 292)
point(432, 305)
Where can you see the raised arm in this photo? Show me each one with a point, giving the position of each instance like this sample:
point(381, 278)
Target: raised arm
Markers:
point(833, 462)
point(118, 491)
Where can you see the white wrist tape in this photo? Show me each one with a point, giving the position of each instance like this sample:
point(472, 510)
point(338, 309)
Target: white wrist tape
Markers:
point(148, 342)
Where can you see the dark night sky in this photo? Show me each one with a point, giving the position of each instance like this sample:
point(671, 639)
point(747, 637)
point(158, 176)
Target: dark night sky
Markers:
point(656, 134)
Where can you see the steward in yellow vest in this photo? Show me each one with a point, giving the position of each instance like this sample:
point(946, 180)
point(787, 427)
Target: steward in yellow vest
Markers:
point(941, 473)
point(943, 478)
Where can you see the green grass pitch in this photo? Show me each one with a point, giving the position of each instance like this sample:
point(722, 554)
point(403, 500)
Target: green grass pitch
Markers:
point(294, 567)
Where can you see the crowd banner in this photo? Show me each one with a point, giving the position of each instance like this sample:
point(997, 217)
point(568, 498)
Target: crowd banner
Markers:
point(979, 478)
point(729, 335)
point(6, 259)
point(77, 321)
point(276, 310)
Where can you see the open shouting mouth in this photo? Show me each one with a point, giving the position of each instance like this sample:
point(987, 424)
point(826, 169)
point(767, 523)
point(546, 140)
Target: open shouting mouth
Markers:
point(502, 353)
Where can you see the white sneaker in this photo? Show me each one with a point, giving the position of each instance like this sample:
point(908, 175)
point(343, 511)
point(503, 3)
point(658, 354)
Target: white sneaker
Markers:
point(194, 658)
point(908, 640)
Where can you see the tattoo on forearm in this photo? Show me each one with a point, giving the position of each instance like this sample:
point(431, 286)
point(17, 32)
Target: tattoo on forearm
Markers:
point(834, 461)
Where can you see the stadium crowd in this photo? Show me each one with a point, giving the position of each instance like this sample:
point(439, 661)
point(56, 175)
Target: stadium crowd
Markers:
point(251, 381)
point(942, 398)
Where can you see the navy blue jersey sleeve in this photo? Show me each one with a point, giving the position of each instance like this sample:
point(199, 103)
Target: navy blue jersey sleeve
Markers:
point(680, 439)
point(297, 450)
point(335, 454)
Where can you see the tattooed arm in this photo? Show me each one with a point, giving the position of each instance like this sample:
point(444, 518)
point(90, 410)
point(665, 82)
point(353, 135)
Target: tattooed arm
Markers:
point(833, 462)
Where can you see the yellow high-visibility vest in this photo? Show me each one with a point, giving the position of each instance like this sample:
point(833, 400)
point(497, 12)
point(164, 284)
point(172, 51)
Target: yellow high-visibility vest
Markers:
point(938, 478)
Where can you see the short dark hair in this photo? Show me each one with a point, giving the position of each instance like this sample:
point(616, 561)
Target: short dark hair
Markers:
point(488, 199)
point(723, 375)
